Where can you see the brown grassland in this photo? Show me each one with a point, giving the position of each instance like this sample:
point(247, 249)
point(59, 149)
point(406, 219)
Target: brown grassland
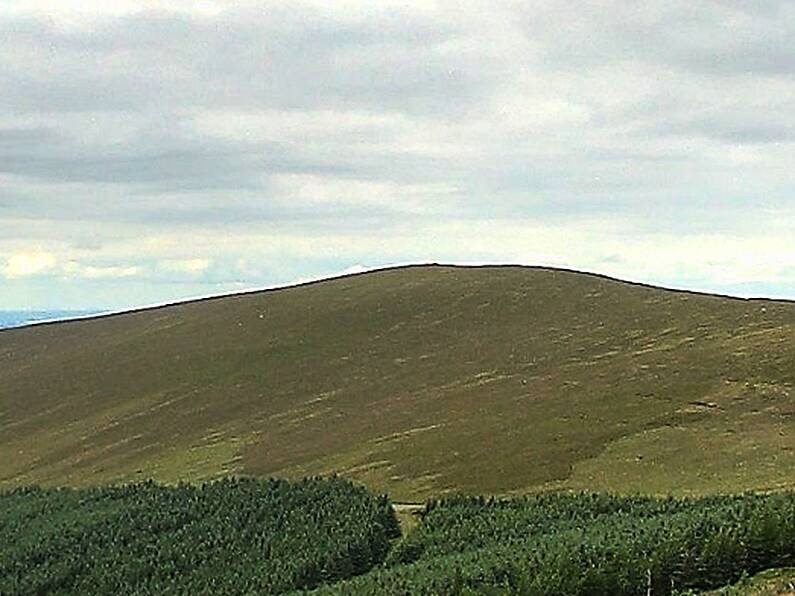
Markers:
point(415, 381)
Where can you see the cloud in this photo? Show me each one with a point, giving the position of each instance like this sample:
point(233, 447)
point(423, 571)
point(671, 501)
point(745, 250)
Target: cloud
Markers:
point(189, 266)
point(282, 56)
point(28, 264)
point(159, 149)
point(74, 269)
point(718, 37)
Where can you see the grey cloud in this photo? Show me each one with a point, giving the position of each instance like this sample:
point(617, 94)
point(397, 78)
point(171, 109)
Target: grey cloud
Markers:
point(164, 66)
point(745, 132)
point(288, 60)
point(174, 170)
point(243, 216)
point(670, 116)
point(27, 137)
point(742, 114)
point(170, 158)
point(710, 38)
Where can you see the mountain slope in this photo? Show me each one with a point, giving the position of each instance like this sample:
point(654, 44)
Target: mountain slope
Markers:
point(414, 380)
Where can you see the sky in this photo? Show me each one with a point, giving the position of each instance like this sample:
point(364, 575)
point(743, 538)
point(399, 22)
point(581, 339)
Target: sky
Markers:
point(153, 151)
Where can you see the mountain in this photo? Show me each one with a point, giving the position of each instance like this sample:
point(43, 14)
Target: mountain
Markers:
point(17, 318)
point(417, 381)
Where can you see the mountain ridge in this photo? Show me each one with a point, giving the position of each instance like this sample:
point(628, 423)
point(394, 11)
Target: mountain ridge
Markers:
point(106, 313)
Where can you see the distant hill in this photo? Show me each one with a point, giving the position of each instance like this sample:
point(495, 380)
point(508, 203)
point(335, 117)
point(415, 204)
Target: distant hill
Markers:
point(17, 318)
point(415, 381)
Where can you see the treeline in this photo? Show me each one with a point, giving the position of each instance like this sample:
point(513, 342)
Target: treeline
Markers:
point(227, 537)
point(563, 544)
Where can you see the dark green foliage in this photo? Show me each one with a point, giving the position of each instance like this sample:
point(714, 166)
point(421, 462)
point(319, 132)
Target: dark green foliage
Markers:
point(226, 537)
point(585, 545)
point(269, 537)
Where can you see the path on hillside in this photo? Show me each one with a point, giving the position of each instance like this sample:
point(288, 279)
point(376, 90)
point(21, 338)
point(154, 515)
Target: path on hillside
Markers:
point(413, 508)
point(408, 515)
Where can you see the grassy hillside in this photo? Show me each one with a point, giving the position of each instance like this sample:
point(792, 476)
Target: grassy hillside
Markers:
point(773, 582)
point(414, 381)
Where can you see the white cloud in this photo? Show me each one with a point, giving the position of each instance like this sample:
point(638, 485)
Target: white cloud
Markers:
point(330, 190)
point(190, 266)
point(75, 269)
point(76, 12)
point(28, 264)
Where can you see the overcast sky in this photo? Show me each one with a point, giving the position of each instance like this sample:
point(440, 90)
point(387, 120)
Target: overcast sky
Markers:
point(151, 151)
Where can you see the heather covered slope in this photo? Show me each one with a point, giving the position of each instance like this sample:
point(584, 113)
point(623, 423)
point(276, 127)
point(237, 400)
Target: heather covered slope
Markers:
point(414, 381)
